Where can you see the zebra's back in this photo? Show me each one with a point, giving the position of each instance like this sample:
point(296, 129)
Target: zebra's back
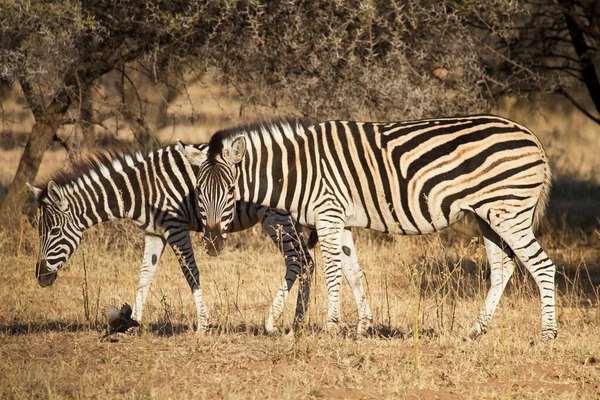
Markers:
point(420, 176)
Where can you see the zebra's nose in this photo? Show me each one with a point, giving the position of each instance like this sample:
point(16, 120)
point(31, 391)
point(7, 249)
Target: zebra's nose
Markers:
point(44, 276)
point(214, 241)
point(214, 246)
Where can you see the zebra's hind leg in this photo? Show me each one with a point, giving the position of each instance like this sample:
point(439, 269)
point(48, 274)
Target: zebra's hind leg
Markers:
point(523, 243)
point(153, 248)
point(502, 266)
point(276, 308)
point(307, 269)
point(353, 273)
point(330, 231)
point(287, 235)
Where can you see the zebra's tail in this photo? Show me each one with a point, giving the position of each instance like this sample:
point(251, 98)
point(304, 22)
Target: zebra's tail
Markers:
point(313, 239)
point(542, 202)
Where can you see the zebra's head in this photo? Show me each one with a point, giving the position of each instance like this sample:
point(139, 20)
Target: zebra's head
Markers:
point(217, 190)
point(59, 231)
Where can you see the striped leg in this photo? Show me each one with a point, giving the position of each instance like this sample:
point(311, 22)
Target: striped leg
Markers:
point(276, 309)
point(153, 248)
point(182, 247)
point(502, 267)
point(303, 266)
point(330, 233)
point(353, 273)
point(526, 247)
point(287, 236)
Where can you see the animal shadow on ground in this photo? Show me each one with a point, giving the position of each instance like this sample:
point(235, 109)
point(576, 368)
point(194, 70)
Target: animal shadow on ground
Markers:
point(170, 329)
point(19, 328)
point(154, 328)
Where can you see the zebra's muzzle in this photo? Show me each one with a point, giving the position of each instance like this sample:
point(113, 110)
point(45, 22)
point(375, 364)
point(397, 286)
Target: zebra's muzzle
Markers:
point(214, 241)
point(44, 276)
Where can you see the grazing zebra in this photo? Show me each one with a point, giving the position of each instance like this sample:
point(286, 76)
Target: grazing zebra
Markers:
point(408, 178)
point(158, 193)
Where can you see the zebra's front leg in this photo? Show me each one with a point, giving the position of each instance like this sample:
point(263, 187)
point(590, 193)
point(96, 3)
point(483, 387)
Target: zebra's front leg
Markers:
point(153, 248)
point(330, 237)
point(182, 247)
point(353, 273)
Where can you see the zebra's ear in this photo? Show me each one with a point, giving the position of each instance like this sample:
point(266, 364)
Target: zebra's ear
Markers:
point(34, 190)
point(236, 152)
point(56, 195)
point(179, 145)
point(193, 154)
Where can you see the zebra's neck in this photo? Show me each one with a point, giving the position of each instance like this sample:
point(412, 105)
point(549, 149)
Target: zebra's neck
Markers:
point(269, 175)
point(142, 189)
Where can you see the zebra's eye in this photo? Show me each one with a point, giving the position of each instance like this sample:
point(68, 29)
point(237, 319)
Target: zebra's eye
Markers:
point(55, 231)
point(231, 189)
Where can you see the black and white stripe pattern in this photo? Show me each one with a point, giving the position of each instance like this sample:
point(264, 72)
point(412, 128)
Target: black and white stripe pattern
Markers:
point(408, 178)
point(158, 193)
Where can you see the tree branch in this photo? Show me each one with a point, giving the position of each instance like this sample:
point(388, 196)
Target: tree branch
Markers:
point(577, 105)
point(588, 69)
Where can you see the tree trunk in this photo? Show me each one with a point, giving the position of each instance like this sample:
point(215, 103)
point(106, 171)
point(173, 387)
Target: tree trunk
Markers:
point(86, 117)
point(584, 53)
point(47, 122)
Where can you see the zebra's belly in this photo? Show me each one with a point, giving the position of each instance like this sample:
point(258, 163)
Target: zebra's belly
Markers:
point(404, 224)
point(420, 227)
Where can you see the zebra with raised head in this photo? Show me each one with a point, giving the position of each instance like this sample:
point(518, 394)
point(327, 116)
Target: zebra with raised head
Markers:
point(408, 178)
point(158, 193)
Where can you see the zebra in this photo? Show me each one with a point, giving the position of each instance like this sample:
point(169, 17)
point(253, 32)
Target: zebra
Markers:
point(157, 192)
point(409, 178)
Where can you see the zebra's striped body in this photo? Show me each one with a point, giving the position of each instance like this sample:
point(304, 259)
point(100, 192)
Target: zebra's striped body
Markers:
point(409, 177)
point(158, 193)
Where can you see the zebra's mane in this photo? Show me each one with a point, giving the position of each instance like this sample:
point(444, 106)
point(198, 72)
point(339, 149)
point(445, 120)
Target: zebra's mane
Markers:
point(92, 162)
point(217, 141)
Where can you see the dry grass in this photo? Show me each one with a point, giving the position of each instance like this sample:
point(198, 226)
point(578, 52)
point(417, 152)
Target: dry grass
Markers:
point(424, 292)
point(50, 350)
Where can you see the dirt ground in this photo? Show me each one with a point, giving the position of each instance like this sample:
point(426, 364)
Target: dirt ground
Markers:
point(59, 364)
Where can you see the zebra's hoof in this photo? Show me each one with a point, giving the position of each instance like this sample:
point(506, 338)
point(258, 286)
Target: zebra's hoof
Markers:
point(290, 336)
point(270, 327)
point(273, 331)
point(475, 332)
point(548, 336)
point(202, 331)
point(364, 327)
point(332, 329)
point(135, 331)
